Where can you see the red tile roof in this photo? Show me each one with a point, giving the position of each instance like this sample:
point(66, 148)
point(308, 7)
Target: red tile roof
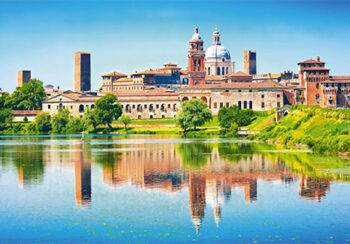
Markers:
point(311, 61)
point(26, 112)
point(238, 73)
point(115, 74)
point(154, 92)
point(243, 85)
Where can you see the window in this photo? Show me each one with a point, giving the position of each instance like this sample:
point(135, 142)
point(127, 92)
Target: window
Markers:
point(163, 116)
point(278, 95)
point(133, 106)
point(81, 108)
point(223, 70)
point(226, 70)
point(151, 116)
point(317, 97)
point(145, 105)
point(240, 105)
point(92, 106)
point(262, 105)
point(215, 105)
point(245, 104)
point(239, 90)
point(208, 70)
point(139, 116)
point(221, 105)
point(49, 106)
point(218, 71)
point(317, 85)
point(262, 96)
point(348, 98)
point(226, 90)
point(169, 106)
point(251, 104)
point(250, 90)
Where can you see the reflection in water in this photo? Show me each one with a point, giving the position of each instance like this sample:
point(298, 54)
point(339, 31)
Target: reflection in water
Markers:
point(82, 178)
point(313, 188)
point(210, 171)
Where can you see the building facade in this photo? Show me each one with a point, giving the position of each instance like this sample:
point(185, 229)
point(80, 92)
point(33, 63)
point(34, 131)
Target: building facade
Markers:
point(24, 76)
point(82, 72)
point(217, 58)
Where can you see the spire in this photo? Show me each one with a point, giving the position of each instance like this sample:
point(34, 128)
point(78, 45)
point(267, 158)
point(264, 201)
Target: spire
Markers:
point(196, 35)
point(216, 36)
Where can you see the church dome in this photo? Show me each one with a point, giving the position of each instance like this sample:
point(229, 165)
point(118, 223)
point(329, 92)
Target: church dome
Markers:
point(217, 51)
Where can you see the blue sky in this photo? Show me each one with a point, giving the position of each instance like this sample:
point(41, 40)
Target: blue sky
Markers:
point(128, 36)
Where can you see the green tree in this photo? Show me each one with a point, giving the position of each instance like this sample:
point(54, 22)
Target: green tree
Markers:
point(107, 109)
point(90, 119)
point(5, 100)
point(74, 125)
point(194, 113)
point(125, 119)
point(43, 122)
point(60, 121)
point(29, 96)
point(6, 117)
point(231, 115)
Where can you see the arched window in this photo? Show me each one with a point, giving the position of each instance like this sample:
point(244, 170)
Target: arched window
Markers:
point(208, 70)
point(226, 70)
point(245, 104)
point(81, 108)
point(194, 65)
point(199, 64)
point(250, 104)
point(223, 71)
point(92, 106)
point(317, 85)
point(240, 105)
point(218, 71)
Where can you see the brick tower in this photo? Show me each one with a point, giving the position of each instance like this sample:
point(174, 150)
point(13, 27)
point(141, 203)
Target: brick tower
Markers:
point(311, 74)
point(82, 76)
point(249, 62)
point(24, 76)
point(196, 57)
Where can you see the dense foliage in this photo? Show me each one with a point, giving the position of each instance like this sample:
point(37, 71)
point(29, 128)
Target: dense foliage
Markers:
point(107, 109)
point(43, 122)
point(193, 113)
point(60, 121)
point(322, 130)
point(233, 114)
point(29, 96)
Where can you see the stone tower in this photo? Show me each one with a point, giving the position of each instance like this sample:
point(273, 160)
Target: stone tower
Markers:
point(82, 73)
point(24, 76)
point(196, 57)
point(249, 62)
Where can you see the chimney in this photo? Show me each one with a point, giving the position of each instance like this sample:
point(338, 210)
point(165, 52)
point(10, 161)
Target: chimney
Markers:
point(318, 58)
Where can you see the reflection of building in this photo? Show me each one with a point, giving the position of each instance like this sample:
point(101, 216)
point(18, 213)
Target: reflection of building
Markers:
point(82, 179)
point(313, 188)
point(196, 188)
point(24, 76)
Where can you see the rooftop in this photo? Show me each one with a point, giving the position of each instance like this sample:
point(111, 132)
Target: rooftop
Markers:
point(115, 74)
point(236, 85)
point(311, 61)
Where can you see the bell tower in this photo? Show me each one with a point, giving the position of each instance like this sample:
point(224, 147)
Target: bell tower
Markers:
point(196, 57)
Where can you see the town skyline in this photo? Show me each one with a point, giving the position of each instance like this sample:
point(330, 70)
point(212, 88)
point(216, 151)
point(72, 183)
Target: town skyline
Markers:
point(121, 42)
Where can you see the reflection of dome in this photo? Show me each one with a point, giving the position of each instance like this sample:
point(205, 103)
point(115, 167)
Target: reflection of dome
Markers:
point(196, 35)
point(217, 51)
point(197, 222)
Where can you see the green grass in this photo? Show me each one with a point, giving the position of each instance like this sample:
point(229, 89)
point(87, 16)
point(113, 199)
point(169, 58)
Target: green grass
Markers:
point(150, 121)
point(260, 123)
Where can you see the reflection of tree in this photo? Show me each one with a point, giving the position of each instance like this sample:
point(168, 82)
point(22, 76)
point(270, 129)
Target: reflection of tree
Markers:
point(28, 160)
point(195, 155)
point(234, 152)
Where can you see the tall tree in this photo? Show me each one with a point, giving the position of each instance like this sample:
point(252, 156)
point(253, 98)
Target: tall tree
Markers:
point(60, 120)
point(194, 113)
point(107, 109)
point(29, 96)
point(5, 100)
point(6, 117)
point(90, 119)
point(43, 122)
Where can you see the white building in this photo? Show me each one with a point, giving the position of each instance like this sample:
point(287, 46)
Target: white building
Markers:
point(217, 58)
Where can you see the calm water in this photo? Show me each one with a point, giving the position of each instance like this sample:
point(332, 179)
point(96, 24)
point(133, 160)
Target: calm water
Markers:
point(159, 189)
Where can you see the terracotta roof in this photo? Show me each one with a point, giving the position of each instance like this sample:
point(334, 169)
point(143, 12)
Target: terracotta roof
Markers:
point(238, 73)
point(26, 112)
point(316, 68)
point(235, 85)
point(337, 81)
point(213, 78)
point(154, 92)
point(277, 75)
point(75, 96)
point(152, 72)
point(125, 79)
point(184, 72)
point(115, 74)
point(311, 61)
point(143, 99)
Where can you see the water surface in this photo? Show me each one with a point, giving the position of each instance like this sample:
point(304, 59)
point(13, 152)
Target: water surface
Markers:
point(168, 189)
